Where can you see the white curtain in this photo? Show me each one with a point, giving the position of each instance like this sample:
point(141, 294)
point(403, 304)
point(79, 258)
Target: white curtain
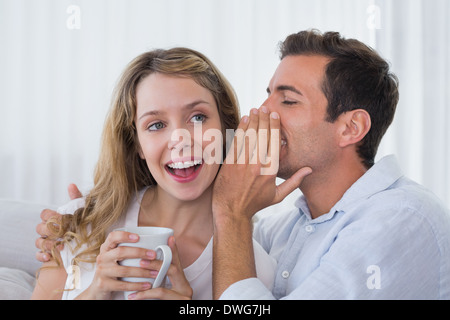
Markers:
point(59, 61)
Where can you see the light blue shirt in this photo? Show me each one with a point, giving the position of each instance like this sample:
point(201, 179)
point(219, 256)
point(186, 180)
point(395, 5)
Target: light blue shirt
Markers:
point(387, 238)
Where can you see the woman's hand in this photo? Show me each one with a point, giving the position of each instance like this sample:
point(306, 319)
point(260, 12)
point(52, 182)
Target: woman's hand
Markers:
point(181, 289)
point(108, 271)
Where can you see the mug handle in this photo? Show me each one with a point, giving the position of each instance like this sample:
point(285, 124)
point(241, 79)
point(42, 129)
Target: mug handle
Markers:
point(167, 260)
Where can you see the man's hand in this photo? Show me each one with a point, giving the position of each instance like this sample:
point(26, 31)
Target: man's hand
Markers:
point(246, 183)
point(43, 243)
point(73, 191)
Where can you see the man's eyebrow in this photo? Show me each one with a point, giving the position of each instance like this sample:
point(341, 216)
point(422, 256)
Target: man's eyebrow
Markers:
point(286, 88)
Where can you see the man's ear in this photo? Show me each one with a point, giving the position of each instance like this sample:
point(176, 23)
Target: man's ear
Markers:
point(354, 126)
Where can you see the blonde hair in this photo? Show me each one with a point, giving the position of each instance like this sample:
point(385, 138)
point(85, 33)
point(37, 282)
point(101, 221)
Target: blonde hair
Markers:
point(120, 172)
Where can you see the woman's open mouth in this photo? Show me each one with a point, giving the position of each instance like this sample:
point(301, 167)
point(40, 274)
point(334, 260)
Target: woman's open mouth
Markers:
point(184, 171)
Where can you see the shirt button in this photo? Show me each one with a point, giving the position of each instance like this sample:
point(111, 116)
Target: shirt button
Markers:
point(285, 274)
point(309, 228)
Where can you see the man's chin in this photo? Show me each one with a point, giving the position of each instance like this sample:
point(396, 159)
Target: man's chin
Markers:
point(285, 173)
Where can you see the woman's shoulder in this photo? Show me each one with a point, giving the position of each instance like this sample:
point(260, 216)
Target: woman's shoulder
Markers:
point(75, 204)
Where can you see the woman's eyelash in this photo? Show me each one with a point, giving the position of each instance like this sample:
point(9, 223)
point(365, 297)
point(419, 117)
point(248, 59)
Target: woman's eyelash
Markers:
point(160, 125)
point(156, 126)
point(203, 118)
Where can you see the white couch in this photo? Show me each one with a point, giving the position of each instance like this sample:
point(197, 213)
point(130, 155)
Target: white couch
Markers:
point(18, 265)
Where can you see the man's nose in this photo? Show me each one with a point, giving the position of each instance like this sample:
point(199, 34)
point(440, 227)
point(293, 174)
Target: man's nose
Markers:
point(269, 104)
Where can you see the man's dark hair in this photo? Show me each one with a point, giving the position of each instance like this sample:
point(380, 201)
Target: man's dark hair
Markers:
point(355, 78)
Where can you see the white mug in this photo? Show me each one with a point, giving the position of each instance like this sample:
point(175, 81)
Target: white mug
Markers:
point(152, 238)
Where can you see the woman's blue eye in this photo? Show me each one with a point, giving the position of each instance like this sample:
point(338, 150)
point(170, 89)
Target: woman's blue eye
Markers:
point(198, 118)
point(156, 126)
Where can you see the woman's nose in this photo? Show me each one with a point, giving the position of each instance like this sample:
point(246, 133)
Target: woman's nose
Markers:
point(180, 139)
point(186, 143)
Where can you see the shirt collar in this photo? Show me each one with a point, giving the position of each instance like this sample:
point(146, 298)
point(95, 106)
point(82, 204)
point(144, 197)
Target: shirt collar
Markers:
point(380, 177)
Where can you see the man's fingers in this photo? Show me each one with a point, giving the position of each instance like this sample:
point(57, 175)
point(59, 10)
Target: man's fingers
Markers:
point(42, 256)
point(270, 163)
point(249, 142)
point(274, 137)
point(47, 214)
point(263, 136)
point(42, 230)
point(43, 245)
point(74, 192)
point(236, 145)
point(291, 184)
point(46, 245)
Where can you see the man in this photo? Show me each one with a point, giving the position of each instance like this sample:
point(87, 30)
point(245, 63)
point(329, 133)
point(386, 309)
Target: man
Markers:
point(361, 230)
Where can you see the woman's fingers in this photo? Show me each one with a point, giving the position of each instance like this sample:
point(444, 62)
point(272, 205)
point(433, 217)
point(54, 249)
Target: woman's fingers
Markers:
point(117, 237)
point(176, 273)
point(180, 288)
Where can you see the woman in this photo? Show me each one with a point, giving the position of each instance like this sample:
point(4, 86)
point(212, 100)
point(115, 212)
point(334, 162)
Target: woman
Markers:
point(147, 176)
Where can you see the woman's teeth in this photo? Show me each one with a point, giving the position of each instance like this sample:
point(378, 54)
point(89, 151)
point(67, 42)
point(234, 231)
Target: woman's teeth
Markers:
point(184, 165)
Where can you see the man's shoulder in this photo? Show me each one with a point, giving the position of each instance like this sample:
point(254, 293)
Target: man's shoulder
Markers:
point(385, 187)
point(406, 209)
point(407, 195)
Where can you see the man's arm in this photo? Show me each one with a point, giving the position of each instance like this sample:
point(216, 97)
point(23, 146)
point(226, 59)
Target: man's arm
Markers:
point(242, 188)
point(232, 253)
point(50, 282)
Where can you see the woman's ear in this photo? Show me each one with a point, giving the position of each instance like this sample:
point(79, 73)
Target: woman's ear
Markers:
point(139, 150)
point(355, 125)
point(137, 144)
